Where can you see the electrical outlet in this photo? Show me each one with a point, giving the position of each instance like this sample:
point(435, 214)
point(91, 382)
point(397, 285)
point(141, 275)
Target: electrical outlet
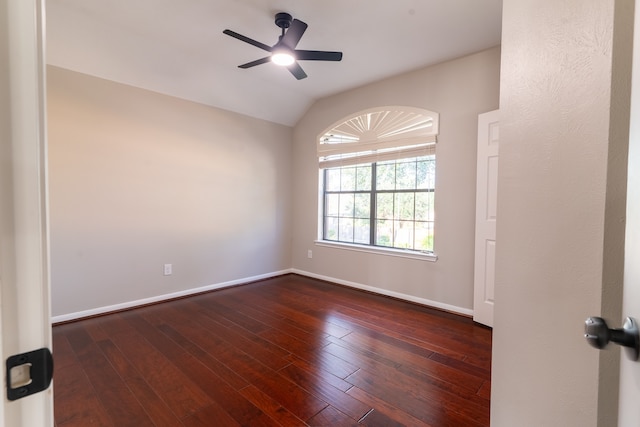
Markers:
point(309, 254)
point(168, 269)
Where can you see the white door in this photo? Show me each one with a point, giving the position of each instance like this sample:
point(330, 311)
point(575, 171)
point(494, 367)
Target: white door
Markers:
point(629, 410)
point(24, 281)
point(486, 204)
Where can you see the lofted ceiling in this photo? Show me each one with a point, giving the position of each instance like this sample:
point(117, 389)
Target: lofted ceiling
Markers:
point(176, 47)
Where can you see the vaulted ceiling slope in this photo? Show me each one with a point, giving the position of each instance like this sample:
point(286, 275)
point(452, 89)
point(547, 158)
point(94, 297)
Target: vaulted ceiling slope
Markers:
point(176, 47)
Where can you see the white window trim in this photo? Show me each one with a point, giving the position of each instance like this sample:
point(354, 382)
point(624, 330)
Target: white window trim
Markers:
point(378, 250)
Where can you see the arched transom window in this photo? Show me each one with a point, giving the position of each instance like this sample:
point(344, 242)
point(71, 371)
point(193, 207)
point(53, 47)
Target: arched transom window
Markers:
point(378, 178)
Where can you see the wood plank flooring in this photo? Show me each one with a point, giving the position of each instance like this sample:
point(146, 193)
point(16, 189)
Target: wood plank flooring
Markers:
point(288, 351)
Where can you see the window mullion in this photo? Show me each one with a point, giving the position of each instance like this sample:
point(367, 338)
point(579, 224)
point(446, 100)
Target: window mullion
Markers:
point(413, 223)
point(324, 204)
point(373, 205)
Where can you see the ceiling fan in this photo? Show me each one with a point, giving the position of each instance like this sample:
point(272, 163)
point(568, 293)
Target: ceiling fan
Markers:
point(284, 52)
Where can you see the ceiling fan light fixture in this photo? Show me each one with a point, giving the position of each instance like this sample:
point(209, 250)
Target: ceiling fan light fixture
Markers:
point(282, 57)
point(284, 52)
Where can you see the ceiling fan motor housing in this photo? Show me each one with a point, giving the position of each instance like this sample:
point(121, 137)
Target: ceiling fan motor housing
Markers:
point(283, 20)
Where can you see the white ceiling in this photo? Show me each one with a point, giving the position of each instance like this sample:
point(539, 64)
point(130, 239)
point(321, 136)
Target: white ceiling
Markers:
point(176, 47)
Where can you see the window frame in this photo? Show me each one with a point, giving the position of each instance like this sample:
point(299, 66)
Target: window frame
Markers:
point(373, 191)
point(370, 137)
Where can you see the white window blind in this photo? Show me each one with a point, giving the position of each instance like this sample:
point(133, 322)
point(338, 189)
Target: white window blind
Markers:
point(379, 134)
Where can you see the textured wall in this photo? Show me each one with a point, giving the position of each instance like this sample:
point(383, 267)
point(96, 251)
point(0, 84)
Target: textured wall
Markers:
point(564, 115)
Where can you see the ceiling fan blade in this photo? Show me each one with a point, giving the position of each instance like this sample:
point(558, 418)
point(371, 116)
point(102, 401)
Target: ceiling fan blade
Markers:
point(297, 71)
point(317, 55)
point(247, 40)
point(256, 62)
point(294, 33)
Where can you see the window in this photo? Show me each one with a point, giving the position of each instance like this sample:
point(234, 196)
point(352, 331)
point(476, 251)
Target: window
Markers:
point(386, 203)
point(378, 179)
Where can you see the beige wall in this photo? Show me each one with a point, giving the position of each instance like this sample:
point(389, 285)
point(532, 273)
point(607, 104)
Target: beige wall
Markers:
point(564, 103)
point(139, 179)
point(459, 90)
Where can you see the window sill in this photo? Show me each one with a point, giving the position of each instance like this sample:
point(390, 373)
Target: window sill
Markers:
point(422, 256)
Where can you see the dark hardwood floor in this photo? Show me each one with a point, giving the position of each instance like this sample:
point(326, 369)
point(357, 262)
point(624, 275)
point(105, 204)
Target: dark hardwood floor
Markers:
point(288, 351)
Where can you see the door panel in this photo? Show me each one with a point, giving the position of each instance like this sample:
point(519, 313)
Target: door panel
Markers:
point(629, 410)
point(486, 205)
point(24, 279)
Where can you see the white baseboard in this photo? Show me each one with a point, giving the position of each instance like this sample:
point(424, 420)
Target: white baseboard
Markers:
point(422, 301)
point(137, 303)
point(160, 298)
